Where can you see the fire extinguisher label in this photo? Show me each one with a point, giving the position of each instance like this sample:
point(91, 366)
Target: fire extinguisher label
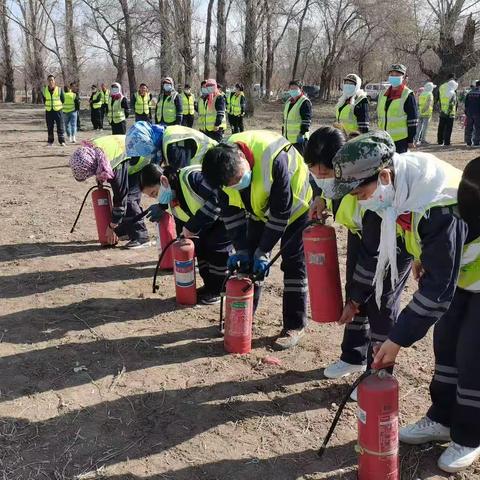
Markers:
point(184, 273)
point(362, 415)
point(316, 258)
point(102, 202)
point(238, 319)
point(388, 432)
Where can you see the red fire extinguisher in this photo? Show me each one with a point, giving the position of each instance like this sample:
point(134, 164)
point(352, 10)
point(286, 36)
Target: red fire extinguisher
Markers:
point(378, 428)
point(238, 315)
point(165, 234)
point(184, 271)
point(321, 258)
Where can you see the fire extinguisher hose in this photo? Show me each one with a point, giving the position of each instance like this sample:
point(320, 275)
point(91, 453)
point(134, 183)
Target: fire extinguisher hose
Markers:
point(155, 287)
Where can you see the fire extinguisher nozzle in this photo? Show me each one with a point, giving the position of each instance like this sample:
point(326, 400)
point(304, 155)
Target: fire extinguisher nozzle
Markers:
point(321, 451)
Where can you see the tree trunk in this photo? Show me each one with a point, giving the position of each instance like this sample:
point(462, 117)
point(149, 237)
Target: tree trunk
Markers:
point(299, 40)
point(166, 47)
point(270, 50)
point(7, 54)
point(221, 59)
point(249, 54)
point(120, 62)
point(127, 37)
point(38, 70)
point(208, 32)
point(72, 57)
point(187, 41)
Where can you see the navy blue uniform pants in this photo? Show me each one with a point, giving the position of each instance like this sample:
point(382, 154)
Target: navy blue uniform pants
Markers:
point(455, 387)
point(445, 127)
point(55, 118)
point(472, 130)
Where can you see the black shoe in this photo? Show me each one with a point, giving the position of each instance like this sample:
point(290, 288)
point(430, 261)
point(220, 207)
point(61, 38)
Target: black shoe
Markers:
point(133, 244)
point(210, 298)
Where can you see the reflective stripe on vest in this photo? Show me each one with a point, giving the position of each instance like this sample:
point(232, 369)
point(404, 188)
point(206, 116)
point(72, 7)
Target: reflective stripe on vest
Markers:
point(425, 104)
point(52, 100)
point(292, 121)
point(97, 101)
point(113, 147)
point(136, 167)
point(266, 146)
point(395, 120)
point(69, 103)
point(178, 133)
point(142, 104)
point(105, 95)
point(208, 115)
point(166, 111)
point(347, 116)
point(116, 113)
point(188, 104)
point(469, 278)
point(235, 104)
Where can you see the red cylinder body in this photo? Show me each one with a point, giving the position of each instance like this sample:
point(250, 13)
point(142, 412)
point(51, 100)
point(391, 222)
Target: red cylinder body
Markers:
point(238, 315)
point(184, 272)
point(378, 428)
point(324, 286)
point(102, 209)
point(165, 234)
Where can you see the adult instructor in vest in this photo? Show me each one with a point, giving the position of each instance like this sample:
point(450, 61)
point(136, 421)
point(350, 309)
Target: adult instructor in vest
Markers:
point(118, 111)
point(141, 103)
point(212, 111)
point(397, 110)
point(297, 116)
point(352, 107)
point(188, 103)
point(169, 109)
point(54, 98)
point(272, 181)
point(448, 110)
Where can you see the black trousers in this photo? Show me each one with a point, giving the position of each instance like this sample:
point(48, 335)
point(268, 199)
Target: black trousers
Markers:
point(218, 135)
point(237, 123)
point(401, 146)
point(137, 230)
point(455, 387)
point(53, 118)
point(372, 324)
point(472, 130)
point(187, 121)
point(445, 127)
point(104, 112)
point(119, 128)
point(78, 120)
point(142, 117)
point(96, 117)
point(294, 308)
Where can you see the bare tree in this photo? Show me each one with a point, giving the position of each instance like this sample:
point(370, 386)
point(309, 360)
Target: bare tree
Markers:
point(250, 53)
point(128, 41)
point(208, 30)
point(221, 58)
point(7, 63)
point(73, 70)
point(299, 39)
point(183, 11)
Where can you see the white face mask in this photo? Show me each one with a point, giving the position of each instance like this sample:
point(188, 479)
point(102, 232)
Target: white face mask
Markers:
point(115, 90)
point(381, 199)
point(326, 184)
point(349, 89)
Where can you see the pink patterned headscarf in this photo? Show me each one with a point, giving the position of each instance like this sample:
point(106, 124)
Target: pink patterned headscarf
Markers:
point(89, 160)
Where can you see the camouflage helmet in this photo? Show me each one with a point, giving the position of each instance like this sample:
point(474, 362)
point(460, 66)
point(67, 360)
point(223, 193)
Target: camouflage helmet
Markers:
point(398, 67)
point(360, 159)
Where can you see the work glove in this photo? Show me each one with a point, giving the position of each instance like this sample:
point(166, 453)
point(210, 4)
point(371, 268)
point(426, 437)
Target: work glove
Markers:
point(156, 212)
point(260, 263)
point(239, 261)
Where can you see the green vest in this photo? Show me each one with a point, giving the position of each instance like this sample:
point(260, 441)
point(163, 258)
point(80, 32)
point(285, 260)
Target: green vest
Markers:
point(235, 108)
point(446, 105)
point(207, 115)
point(52, 100)
point(292, 121)
point(69, 104)
point(469, 277)
point(136, 167)
point(116, 114)
point(178, 134)
point(113, 147)
point(347, 117)
point(142, 104)
point(166, 111)
point(97, 101)
point(395, 120)
point(188, 104)
point(105, 95)
point(425, 104)
point(349, 213)
point(266, 146)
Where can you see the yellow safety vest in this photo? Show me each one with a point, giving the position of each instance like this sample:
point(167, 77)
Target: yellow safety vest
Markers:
point(136, 167)
point(346, 116)
point(349, 213)
point(113, 147)
point(207, 115)
point(188, 104)
point(446, 105)
point(52, 100)
point(142, 104)
point(105, 95)
point(235, 108)
point(469, 277)
point(69, 104)
point(425, 104)
point(395, 120)
point(166, 111)
point(179, 134)
point(116, 114)
point(97, 101)
point(292, 121)
point(266, 146)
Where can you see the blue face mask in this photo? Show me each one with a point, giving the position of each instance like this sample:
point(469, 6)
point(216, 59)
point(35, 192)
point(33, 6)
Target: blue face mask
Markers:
point(294, 93)
point(204, 91)
point(244, 181)
point(167, 88)
point(349, 89)
point(395, 81)
point(326, 184)
point(165, 195)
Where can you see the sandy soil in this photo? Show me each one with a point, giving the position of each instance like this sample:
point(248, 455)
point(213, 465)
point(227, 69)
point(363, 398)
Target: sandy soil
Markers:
point(100, 378)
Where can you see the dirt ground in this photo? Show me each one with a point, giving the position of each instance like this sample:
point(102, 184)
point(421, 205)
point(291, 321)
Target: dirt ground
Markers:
point(100, 378)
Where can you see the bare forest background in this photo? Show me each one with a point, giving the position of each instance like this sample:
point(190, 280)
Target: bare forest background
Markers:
point(262, 43)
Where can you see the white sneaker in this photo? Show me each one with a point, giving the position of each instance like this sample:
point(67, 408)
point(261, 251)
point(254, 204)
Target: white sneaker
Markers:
point(424, 431)
point(354, 395)
point(457, 457)
point(341, 369)
point(74, 140)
